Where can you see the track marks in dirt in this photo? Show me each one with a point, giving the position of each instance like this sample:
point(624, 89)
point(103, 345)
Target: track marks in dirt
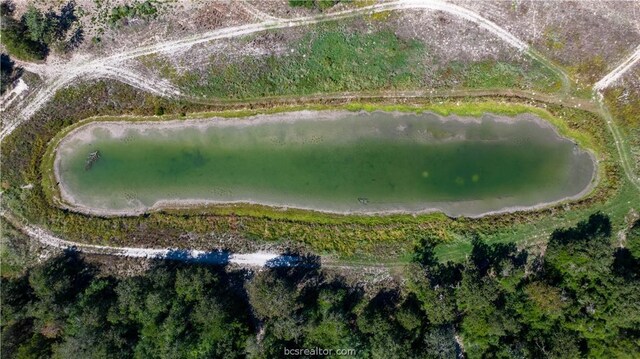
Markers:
point(614, 75)
point(61, 75)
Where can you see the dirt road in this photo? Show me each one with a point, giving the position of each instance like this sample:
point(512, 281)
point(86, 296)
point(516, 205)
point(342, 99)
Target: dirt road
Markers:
point(58, 75)
point(257, 259)
point(614, 75)
point(606, 81)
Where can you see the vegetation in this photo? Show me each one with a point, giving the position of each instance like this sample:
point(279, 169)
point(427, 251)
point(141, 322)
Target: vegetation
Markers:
point(30, 37)
point(9, 73)
point(15, 252)
point(332, 59)
point(624, 104)
point(328, 61)
point(64, 309)
point(16, 37)
point(140, 10)
point(354, 237)
point(491, 74)
point(578, 300)
point(589, 70)
point(318, 4)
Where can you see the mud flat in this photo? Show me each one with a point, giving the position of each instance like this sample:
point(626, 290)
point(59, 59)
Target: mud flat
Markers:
point(329, 161)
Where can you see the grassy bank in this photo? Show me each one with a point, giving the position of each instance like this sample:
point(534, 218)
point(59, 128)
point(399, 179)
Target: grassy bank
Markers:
point(353, 238)
point(336, 57)
point(476, 109)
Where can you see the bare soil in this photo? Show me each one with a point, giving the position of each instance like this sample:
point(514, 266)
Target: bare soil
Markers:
point(588, 37)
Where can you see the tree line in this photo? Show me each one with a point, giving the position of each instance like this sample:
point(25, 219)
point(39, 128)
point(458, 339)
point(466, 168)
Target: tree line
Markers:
point(580, 299)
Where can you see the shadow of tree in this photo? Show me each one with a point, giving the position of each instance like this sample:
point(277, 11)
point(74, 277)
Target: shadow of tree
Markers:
point(66, 18)
point(291, 259)
point(76, 39)
point(218, 257)
point(10, 73)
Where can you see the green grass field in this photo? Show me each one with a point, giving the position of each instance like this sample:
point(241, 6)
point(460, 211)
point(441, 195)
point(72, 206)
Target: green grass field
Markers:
point(333, 59)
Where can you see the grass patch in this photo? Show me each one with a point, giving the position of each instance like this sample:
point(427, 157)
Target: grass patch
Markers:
point(15, 254)
point(532, 234)
point(141, 10)
point(334, 59)
point(624, 105)
point(324, 61)
point(499, 75)
point(589, 71)
point(321, 5)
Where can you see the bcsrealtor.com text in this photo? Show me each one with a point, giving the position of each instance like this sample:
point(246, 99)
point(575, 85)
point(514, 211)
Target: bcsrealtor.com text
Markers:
point(319, 351)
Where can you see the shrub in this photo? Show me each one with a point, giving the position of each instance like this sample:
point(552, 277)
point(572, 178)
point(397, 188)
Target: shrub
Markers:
point(122, 13)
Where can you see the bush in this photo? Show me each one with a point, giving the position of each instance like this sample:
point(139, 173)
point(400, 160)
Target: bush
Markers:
point(310, 4)
point(302, 3)
point(16, 37)
point(122, 13)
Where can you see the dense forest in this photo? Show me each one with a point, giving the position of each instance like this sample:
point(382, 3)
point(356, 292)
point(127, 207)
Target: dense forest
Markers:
point(580, 299)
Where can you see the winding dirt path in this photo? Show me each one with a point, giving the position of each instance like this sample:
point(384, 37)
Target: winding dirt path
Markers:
point(614, 75)
point(56, 76)
point(625, 157)
point(257, 259)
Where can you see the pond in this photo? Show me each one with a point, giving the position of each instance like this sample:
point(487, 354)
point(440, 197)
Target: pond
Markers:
point(332, 161)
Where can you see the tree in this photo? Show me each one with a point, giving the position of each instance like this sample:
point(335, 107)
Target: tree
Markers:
point(89, 332)
point(579, 303)
point(582, 263)
point(30, 37)
point(7, 8)
point(440, 343)
point(424, 251)
point(271, 296)
point(15, 36)
point(633, 240)
point(581, 255)
point(39, 27)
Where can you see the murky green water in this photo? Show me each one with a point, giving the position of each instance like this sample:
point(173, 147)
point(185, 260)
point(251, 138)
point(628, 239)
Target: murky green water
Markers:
point(339, 162)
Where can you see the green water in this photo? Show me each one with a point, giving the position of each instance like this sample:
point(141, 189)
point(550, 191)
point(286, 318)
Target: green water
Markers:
point(339, 162)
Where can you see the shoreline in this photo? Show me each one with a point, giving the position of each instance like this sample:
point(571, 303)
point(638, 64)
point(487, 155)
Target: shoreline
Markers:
point(67, 201)
point(113, 125)
point(196, 204)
